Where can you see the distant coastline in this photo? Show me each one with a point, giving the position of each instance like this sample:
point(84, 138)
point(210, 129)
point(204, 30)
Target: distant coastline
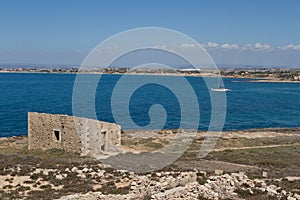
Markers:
point(272, 81)
point(282, 75)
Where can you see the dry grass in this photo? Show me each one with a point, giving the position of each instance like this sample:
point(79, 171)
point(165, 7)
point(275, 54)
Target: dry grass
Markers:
point(279, 161)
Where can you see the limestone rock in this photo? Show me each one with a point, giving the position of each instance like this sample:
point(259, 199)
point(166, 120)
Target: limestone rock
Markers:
point(218, 172)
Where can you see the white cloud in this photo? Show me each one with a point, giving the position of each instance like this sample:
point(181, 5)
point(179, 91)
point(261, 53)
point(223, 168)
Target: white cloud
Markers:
point(264, 46)
point(252, 47)
point(210, 45)
point(222, 46)
point(161, 46)
point(290, 47)
point(247, 47)
point(188, 45)
point(229, 46)
point(257, 46)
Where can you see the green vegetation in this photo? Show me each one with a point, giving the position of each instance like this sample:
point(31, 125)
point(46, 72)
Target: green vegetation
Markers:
point(264, 141)
point(147, 197)
point(255, 195)
point(280, 161)
point(110, 188)
point(151, 144)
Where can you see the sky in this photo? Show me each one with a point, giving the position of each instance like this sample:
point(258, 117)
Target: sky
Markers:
point(233, 31)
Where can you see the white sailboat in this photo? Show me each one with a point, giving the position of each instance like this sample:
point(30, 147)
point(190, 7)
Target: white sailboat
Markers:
point(220, 89)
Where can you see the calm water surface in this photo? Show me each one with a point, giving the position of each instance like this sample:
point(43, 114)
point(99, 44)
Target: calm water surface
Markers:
point(249, 104)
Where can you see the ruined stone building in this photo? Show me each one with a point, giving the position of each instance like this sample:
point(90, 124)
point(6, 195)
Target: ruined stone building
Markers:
point(73, 134)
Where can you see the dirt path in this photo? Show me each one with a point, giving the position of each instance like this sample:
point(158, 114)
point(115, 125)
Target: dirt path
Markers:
point(211, 165)
point(256, 147)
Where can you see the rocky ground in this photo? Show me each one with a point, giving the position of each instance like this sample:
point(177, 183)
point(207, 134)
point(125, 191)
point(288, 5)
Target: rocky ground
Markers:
point(253, 164)
point(193, 185)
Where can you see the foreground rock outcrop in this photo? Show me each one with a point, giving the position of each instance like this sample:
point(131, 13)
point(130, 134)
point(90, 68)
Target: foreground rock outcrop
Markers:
point(191, 185)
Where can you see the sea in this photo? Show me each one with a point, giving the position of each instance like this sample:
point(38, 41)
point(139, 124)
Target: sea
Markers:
point(249, 105)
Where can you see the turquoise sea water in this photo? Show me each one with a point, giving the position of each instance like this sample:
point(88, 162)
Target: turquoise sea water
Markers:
point(249, 104)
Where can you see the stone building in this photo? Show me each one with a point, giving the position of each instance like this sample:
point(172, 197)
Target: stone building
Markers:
point(73, 134)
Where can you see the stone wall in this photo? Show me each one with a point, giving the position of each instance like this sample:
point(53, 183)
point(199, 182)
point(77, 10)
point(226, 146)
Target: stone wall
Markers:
point(73, 134)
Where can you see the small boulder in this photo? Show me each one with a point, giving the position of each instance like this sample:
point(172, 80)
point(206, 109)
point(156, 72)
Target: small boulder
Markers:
point(219, 172)
point(59, 177)
point(74, 169)
point(85, 170)
point(265, 174)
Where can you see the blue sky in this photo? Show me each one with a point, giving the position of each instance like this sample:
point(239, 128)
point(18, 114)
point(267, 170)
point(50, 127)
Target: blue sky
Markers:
point(233, 31)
